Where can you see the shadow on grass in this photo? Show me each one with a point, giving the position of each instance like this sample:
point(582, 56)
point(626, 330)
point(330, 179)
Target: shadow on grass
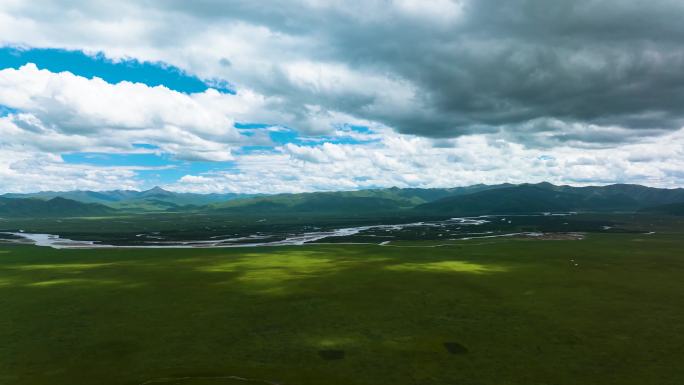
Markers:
point(206, 380)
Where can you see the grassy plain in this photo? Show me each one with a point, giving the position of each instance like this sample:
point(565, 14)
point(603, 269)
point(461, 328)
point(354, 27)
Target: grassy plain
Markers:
point(603, 310)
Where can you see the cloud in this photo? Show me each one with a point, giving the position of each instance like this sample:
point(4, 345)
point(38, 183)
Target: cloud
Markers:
point(410, 161)
point(61, 112)
point(455, 91)
point(22, 171)
point(437, 69)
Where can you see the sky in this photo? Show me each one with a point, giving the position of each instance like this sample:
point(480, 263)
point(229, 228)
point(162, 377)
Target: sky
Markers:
point(308, 95)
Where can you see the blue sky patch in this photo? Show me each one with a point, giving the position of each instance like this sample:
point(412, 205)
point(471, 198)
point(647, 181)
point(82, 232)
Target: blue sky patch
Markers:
point(285, 136)
point(359, 129)
point(4, 110)
point(281, 135)
point(145, 146)
point(250, 126)
point(89, 66)
point(118, 159)
point(179, 169)
point(254, 149)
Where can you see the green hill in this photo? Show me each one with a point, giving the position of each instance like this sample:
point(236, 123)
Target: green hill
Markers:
point(510, 200)
point(668, 209)
point(346, 202)
point(545, 197)
point(55, 207)
point(313, 203)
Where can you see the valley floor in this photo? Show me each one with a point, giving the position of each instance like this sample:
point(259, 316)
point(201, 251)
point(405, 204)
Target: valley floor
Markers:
point(606, 309)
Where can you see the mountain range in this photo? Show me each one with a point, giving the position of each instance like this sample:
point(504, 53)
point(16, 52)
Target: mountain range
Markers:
point(54, 207)
point(155, 199)
point(546, 197)
point(458, 201)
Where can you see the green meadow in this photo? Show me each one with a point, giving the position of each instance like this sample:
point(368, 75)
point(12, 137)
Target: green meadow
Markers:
point(604, 310)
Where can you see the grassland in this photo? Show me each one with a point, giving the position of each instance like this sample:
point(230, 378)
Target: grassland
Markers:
point(604, 310)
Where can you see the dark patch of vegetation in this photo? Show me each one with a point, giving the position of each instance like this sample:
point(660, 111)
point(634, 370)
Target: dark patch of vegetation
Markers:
point(669, 209)
point(331, 354)
point(455, 348)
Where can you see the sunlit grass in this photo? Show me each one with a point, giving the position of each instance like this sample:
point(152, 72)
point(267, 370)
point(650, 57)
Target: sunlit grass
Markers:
point(74, 267)
point(75, 281)
point(301, 262)
point(333, 342)
point(7, 282)
point(270, 271)
point(448, 267)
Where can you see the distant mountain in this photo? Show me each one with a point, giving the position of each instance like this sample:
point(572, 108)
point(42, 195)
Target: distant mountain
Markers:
point(345, 202)
point(470, 200)
point(546, 197)
point(155, 199)
point(159, 199)
point(55, 207)
point(312, 203)
point(668, 209)
point(620, 195)
point(342, 202)
point(81, 196)
point(424, 195)
point(510, 200)
point(156, 192)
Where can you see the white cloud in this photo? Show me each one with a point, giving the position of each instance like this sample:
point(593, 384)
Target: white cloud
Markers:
point(22, 171)
point(406, 161)
point(64, 112)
